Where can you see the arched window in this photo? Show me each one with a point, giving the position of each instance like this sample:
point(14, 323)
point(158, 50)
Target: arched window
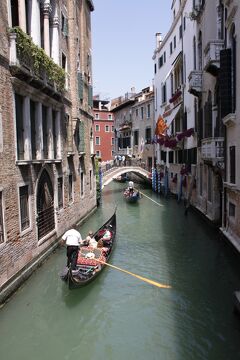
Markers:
point(45, 205)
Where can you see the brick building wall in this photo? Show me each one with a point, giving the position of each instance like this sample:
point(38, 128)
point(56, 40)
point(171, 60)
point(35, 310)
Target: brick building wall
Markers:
point(20, 248)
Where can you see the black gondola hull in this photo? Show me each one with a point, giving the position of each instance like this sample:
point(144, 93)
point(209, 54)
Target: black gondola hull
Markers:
point(77, 278)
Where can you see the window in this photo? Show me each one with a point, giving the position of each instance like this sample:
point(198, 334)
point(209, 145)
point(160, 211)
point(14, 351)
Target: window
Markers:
point(200, 51)
point(148, 135)
point(96, 116)
point(142, 112)
point(97, 127)
point(112, 141)
point(19, 126)
point(64, 62)
point(112, 128)
point(82, 177)
point(14, 13)
point(160, 62)
point(112, 152)
point(184, 23)
point(64, 25)
point(234, 67)
point(194, 54)
point(232, 209)
point(155, 68)
point(174, 42)
point(98, 153)
point(60, 192)
point(136, 112)
point(109, 116)
point(164, 57)
point(148, 111)
point(209, 185)
point(164, 93)
point(180, 31)
point(97, 140)
point(90, 179)
point(1, 219)
point(201, 180)
point(106, 128)
point(171, 48)
point(24, 207)
point(135, 137)
point(70, 188)
point(232, 154)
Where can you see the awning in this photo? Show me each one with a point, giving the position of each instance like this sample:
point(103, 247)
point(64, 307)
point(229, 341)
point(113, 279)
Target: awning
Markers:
point(124, 127)
point(169, 116)
point(177, 59)
point(175, 62)
point(167, 76)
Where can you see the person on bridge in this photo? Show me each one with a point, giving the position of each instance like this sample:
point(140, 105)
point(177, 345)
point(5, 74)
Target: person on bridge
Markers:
point(73, 239)
point(123, 160)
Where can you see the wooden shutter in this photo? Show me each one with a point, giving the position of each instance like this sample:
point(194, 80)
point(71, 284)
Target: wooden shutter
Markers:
point(225, 81)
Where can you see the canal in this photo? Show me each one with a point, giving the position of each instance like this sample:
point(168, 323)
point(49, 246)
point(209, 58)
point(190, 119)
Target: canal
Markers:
point(120, 317)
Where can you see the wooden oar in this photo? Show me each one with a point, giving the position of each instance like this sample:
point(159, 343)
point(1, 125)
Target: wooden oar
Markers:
point(137, 276)
point(150, 199)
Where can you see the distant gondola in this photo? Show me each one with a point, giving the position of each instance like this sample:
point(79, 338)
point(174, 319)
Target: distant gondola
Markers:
point(131, 197)
point(88, 266)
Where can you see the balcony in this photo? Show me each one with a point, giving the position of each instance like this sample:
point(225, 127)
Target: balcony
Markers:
point(30, 63)
point(212, 56)
point(197, 10)
point(195, 82)
point(125, 151)
point(229, 120)
point(213, 149)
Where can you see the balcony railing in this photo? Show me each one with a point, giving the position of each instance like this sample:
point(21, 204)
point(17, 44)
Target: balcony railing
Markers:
point(212, 56)
point(125, 151)
point(213, 149)
point(195, 82)
point(27, 60)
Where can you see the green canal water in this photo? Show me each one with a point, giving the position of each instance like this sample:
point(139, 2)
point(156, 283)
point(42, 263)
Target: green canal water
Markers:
point(119, 317)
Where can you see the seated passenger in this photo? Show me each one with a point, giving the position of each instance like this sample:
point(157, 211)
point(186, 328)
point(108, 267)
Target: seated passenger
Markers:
point(90, 241)
point(107, 236)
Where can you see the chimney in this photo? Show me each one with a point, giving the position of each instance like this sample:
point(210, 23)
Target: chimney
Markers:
point(158, 39)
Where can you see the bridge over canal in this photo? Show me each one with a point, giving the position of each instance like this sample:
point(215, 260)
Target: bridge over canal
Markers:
point(114, 172)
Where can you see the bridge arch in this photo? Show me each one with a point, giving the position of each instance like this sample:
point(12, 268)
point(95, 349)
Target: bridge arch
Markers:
point(113, 173)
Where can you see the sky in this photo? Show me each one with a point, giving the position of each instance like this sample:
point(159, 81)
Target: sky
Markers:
point(123, 43)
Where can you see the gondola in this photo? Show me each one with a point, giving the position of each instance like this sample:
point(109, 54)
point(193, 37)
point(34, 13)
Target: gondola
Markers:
point(90, 262)
point(131, 197)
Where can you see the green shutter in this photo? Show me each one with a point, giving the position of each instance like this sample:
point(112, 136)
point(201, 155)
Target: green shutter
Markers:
point(81, 145)
point(65, 27)
point(80, 85)
point(90, 96)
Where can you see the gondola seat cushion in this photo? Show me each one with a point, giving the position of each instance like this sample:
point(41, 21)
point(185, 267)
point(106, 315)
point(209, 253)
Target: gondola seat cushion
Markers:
point(84, 259)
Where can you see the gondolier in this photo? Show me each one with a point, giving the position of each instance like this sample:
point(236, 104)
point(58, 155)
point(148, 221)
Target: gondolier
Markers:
point(73, 239)
point(130, 187)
